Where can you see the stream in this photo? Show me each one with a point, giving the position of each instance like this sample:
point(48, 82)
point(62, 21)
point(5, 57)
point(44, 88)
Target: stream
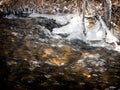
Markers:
point(30, 59)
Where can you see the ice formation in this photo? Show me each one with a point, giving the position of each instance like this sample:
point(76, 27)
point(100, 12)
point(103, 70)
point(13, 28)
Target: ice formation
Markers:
point(73, 27)
point(75, 31)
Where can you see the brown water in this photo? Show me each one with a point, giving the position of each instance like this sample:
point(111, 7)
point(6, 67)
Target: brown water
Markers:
point(31, 60)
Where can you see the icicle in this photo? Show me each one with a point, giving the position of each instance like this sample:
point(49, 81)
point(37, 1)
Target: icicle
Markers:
point(17, 11)
point(26, 9)
point(5, 10)
point(13, 11)
point(21, 9)
point(31, 10)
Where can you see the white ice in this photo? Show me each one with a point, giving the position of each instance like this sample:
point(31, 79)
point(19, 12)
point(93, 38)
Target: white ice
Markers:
point(96, 33)
point(75, 31)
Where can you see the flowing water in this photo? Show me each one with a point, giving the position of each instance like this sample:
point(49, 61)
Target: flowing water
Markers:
point(31, 59)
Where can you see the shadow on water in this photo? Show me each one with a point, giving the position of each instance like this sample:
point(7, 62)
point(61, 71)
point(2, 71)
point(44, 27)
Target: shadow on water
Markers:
point(31, 60)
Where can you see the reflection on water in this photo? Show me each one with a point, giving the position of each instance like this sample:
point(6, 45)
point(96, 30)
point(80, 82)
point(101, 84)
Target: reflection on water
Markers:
point(32, 60)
